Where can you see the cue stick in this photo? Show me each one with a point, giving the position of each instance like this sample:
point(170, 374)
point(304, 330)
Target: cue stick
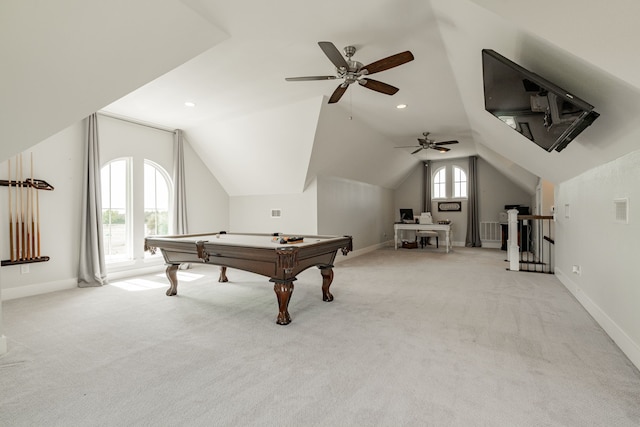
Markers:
point(17, 228)
point(10, 218)
point(22, 239)
point(27, 220)
point(25, 248)
point(24, 209)
point(33, 228)
point(38, 221)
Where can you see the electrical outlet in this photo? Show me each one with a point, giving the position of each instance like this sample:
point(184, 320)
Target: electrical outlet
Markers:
point(576, 269)
point(24, 268)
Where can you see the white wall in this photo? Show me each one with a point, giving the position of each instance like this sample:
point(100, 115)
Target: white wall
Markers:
point(356, 209)
point(252, 214)
point(588, 236)
point(207, 202)
point(346, 147)
point(58, 160)
point(64, 60)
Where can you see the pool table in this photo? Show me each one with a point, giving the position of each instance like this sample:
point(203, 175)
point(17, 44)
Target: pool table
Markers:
point(262, 254)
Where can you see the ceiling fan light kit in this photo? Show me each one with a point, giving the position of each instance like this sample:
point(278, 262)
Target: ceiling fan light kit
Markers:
point(354, 71)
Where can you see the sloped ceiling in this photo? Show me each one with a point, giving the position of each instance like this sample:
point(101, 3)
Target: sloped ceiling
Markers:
point(611, 136)
point(63, 60)
point(247, 117)
point(241, 81)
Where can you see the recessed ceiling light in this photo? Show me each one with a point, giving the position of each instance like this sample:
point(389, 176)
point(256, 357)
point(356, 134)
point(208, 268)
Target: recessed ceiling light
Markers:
point(401, 106)
point(190, 104)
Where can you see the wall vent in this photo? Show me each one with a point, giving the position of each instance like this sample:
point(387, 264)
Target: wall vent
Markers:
point(276, 213)
point(621, 208)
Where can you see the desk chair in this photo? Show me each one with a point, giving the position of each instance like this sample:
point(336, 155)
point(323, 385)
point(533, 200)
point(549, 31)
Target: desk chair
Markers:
point(424, 235)
point(425, 218)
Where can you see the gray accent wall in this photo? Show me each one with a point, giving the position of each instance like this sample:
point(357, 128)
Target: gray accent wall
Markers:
point(361, 210)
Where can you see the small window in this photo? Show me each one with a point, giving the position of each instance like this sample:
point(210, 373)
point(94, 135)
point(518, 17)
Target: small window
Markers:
point(440, 184)
point(459, 182)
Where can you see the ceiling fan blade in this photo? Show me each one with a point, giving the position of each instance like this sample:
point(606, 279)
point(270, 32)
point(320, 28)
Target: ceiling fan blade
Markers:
point(303, 79)
point(446, 142)
point(333, 54)
point(423, 141)
point(337, 94)
point(414, 152)
point(440, 149)
point(389, 62)
point(378, 86)
point(409, 146)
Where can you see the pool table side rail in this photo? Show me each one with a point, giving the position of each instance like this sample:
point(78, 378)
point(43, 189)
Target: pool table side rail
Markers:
point(290, 259)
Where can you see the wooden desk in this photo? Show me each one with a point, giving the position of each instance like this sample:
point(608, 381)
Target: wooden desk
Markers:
point(431, 227)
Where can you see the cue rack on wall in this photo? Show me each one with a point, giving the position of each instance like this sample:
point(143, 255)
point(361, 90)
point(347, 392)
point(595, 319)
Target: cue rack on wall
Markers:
point(24, 214)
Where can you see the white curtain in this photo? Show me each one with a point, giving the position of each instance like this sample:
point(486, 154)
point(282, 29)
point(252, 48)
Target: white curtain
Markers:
point(473, 221)
point(91, 268)
point(179, 186)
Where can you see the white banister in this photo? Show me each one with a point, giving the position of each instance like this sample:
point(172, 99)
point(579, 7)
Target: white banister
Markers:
point(513, 250)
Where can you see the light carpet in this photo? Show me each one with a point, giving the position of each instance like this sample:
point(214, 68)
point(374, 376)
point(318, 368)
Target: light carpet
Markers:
point(413, 338)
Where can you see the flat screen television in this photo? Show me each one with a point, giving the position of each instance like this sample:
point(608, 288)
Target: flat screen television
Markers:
point(406, 215)
point(538, 109)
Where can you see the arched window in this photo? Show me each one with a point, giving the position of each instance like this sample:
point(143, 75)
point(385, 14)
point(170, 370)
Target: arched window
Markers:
point(116, 210)
point(459, 182)
point(440, 184)
point(125, 223)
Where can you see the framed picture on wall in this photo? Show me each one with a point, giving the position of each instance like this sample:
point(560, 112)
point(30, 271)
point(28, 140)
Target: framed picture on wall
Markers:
point(449, 206)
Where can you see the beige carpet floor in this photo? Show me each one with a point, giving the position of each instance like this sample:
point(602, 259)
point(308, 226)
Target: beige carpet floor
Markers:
point(413, 338)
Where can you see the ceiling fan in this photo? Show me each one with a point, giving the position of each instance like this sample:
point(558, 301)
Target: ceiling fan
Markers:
point(430, 143)
point(353, 71)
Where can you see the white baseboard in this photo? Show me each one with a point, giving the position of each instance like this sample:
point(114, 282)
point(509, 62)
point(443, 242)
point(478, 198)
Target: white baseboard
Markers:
point(491, 244)
point(362, 251)
point(59, 285)
point(629, 347)
point(38, 288)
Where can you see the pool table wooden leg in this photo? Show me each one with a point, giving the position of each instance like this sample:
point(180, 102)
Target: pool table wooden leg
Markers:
point(327, 279)
point(283, 293)
point(223, 274)
point(172, 269)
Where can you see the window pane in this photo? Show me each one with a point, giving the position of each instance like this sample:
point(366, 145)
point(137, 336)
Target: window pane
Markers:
point(460, 182)
point(114, 210)
point(439, 184)
point(156, 200)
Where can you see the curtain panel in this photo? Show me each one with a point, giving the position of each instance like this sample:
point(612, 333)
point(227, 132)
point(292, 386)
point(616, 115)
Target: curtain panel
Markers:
point(179, 186)
point(473, 221)
point(426, 203)
point(91, 269)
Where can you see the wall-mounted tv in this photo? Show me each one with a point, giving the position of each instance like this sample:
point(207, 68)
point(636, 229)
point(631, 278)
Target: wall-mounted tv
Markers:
point(538, 109)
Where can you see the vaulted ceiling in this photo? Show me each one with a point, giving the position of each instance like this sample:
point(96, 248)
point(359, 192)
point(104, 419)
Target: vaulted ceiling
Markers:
point(261, 135)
